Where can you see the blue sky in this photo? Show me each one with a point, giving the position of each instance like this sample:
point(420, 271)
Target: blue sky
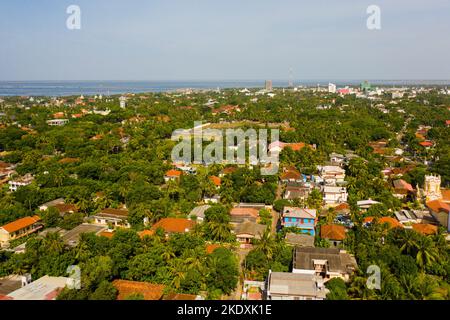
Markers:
point(218, 40)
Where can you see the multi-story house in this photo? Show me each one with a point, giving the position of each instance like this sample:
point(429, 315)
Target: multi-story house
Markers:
point(20, 182)
point(303, 219)
point(323, 262)
point(18, 229)
point(331, 175)
point(334, 195)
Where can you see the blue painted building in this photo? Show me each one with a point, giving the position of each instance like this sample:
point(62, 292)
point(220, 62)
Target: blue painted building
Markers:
point(303, 219)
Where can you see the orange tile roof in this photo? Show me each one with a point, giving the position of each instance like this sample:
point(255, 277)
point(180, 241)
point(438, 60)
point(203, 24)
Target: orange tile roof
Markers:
point(445, 195)
point(393, 223)
point(63, 207)
point(216, 180)
point(290, 174)
point(97, 137)
point(333, 232)
point(426, 143)
point(146, 233)
point(295, 146)
point(420, 136)
point(179, 296)
point(402, 185)
point(342, 207)
point(174, 225)
point(211, 247)
point(244, 212)
point(173, 173)
point(150, 291)
point(229, 170)
point(438, 205)
point(425, 228)
point(106, 234)
point(20, 224)
point(115, 212)
point(68, 160)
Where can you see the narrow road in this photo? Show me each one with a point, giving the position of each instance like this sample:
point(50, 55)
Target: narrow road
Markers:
point(236, 295)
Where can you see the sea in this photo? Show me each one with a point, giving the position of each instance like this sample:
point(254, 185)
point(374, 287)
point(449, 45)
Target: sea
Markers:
point(89, 88)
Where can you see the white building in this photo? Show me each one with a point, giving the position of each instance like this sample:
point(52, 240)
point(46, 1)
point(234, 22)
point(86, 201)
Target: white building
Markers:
point(20, 182)
point(123, 102)
point(57, 122)
point(331, 88)
point(334, 195)
point(295, 286)
point(45, 288)
point(331, 174)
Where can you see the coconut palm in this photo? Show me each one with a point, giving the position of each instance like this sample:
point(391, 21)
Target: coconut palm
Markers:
point(426, 252)
point(409, 240)
point(52, 242)
point(266, 244)
point(178, 270)
point(219, 230)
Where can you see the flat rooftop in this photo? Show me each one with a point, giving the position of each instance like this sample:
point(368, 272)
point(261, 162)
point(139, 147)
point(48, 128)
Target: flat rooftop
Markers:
point(9, 284)
point(71, 237)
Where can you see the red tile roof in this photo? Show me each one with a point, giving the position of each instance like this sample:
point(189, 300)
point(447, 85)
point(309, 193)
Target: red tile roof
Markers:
point(333, 232)
point(174, 225)
point(20, 224)
point(150, 291)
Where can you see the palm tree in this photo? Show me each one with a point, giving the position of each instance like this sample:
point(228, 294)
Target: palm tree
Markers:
point(219, 230)
point(426, 252)
point(177, 268)
point(409, 240)
point(427, 288)
point(331, 214)
point(358, 289)
point(82, 248)
point(83, 204)
point(52, 242)
point(266, 244)
point(168, 254)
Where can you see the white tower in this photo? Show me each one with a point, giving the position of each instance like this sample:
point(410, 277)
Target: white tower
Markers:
point(331, 88)
point(432, 187)
point(123, 102)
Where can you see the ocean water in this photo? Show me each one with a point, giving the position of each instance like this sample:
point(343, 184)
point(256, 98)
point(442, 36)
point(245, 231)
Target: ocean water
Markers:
point(69, 88)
